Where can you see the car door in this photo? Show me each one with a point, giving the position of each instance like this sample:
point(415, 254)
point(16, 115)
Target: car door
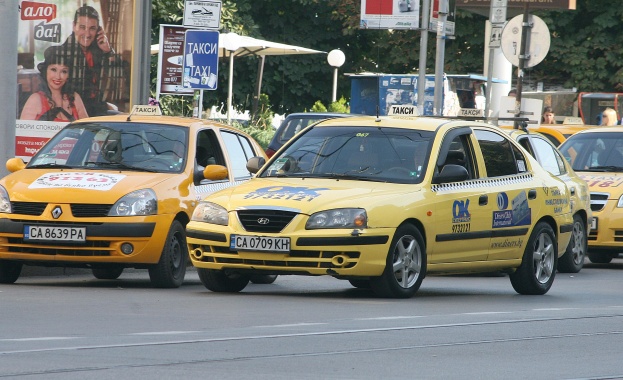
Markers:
point(462, 209)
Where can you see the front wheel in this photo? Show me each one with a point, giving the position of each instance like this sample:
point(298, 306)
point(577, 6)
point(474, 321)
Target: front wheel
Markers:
point(107, 273)
point(171, 268)
point(263, 278)
point(573, 259)
point(405, 267)
point(9, 271)
point(221, 281)
point(536, 273)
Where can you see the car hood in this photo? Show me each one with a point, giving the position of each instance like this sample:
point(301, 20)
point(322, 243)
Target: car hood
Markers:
point(609, 182)
point(310, 195)
point(104, 187)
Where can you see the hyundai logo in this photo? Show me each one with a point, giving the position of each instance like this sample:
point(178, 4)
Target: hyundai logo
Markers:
point(57, 212)
point(263, 221)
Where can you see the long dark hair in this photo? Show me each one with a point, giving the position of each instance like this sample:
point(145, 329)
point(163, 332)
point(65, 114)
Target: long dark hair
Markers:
point(54, 56)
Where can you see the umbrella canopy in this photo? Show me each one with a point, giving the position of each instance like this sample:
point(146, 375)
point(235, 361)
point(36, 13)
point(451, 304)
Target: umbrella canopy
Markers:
point(234, 45)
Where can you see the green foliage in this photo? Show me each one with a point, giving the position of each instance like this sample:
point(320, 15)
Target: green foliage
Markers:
point(318, 107)
point(339, 106)
point(261, 135)
point(264, 117)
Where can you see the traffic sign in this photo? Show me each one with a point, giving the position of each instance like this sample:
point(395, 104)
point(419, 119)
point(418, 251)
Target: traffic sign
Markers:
point(202, 14)
point(537, 44)
point(200, 59)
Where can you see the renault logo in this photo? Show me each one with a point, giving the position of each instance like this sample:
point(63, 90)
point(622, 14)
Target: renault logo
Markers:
point(263, 220)
point(57, 212)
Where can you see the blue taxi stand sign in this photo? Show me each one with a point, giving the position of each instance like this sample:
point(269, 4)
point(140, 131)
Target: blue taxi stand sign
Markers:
point(200, 69)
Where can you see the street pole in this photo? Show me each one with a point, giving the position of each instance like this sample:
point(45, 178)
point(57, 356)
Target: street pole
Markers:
point(439, 60)
point(421, 83)
point(525, 26)
point(9, 16)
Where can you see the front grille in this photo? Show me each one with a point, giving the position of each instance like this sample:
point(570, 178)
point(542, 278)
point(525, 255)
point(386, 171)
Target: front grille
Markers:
point(88, 248)
point(80, 210)
point(598, 201)
point(28, 208)
point(252, 220)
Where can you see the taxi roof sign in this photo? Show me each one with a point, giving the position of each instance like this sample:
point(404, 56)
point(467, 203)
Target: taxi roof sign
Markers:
point(403, 110)
point(146, 110)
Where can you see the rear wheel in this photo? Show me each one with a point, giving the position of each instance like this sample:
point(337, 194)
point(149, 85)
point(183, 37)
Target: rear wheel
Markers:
point(573, 259)
point(536, 273)
point(601, 257)
point(171, 269)
point(221, 281)
point(107, 273)
point(9, 271)
point(405, 267)
point(360, 284)
point(263, 278)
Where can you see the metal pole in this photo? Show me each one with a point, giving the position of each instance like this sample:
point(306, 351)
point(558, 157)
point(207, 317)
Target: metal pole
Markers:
point(421, 84)
point(334, 95)
point(258, 85)
point(9, 17)
point(489, 78)
point(231, 86)
point(439, 60)
point(525, 26)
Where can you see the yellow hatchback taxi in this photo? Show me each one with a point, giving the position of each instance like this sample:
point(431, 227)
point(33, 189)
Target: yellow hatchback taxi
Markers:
point(597, 156)
point(113, 192)
point(382, 202)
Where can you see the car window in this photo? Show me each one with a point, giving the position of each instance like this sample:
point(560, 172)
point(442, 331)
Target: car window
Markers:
point(239, 150)
point(500, 155)
point(594, 151)
point(294, 126)
point(459, 154)
point(209, 151)
point(548, 156)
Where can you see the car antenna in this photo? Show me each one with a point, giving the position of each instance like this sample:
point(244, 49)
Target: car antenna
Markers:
point(378, 117)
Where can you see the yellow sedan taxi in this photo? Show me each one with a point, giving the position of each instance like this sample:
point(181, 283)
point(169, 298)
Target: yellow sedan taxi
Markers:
point(551, 159)
point(597, 156)
point(113, 192)
point(382, 202)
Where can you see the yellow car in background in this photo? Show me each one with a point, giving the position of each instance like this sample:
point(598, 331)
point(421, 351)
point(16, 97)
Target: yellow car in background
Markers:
point(556, 133)
point(382, 202)
point(113, 192)
point(551, 159)
point(597, 156)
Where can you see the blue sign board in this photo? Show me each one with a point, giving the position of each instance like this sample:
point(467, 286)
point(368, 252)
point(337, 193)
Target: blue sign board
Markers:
point(200, 59)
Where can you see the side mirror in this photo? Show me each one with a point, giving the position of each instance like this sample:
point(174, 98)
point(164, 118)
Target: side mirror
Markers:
point(15, 164)
point(255, 163)
point(215, 172)
point(451, 173)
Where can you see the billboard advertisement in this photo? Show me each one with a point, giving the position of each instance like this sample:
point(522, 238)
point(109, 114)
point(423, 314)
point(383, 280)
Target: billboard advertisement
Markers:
point(390, 14)
point(74, 61)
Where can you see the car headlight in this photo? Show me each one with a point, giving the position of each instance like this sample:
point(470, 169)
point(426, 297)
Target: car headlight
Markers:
point(139, 202)
point(338, 218)
point(5, 202)
point(208, 212)
point(620, 202)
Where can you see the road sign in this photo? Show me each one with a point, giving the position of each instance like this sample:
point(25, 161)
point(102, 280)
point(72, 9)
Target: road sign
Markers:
point(200, 59)
point(202, 14)
point(537, 44)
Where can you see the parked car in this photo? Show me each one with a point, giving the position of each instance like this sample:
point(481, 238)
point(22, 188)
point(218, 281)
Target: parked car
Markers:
point(550, 158)
point(293, 124)
point(597, 156)
point(114, 192)
point(556, 133)
point(382, 202)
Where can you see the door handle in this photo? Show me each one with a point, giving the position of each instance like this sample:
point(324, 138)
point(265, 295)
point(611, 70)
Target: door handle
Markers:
point(483, 200)
point(532, 194)
point(572, 190)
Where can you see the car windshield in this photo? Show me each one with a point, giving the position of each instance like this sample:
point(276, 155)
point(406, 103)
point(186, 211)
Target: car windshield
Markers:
point(360, 153)
point(122, 146)
point(598, 152)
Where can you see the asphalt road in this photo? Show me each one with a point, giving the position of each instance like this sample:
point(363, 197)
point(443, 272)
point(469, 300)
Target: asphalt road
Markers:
point(458, 327)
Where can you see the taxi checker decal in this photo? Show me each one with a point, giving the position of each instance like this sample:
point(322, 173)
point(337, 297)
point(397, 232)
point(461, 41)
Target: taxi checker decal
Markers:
point(294, 193)
point(204, 190)
point(77, 180)
point(518, 215)
point(486, 183)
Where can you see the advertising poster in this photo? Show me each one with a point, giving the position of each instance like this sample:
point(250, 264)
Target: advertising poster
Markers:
point(390, 14)
point(171, 60)
point(74, 61)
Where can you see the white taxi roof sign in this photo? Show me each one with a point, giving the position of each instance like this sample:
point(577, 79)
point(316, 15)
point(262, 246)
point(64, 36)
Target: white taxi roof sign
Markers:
point(146, 110)
point(403, 110)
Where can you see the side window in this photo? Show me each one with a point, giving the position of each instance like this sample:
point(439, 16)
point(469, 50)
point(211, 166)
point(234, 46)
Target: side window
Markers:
point(548, 157)
point(459, 153)
point(501, 157)
point(238, 155)
point(208, 149)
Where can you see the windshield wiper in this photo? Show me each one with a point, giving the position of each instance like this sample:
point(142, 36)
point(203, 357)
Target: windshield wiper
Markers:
point(119, 165)
point(50, 165)
point(605, 168)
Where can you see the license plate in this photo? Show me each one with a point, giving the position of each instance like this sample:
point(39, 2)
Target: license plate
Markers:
point(259, 243)
point(594, 224)
point(48, 233)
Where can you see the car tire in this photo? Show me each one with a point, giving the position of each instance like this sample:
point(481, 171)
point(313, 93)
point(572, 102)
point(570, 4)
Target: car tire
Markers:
point(405, 266)
point(9, 271)
point(573, 259)
point(171, 268)
point(107, 273)
point(263, 278)
point(537, 271)
point(222, 282)
point(600, 257)
point(360, 284)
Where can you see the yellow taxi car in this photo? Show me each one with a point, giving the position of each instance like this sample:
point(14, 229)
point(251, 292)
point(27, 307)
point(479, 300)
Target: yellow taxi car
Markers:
point(597, 156)
point(556, 133)
point(382, 202)
point(550, 158)
point(113, 192)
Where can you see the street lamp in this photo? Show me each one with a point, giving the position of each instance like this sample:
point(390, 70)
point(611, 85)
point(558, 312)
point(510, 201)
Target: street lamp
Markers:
point(336, 59)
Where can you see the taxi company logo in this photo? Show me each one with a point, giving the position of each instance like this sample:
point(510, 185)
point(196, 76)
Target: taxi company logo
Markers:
point(460, 212)
point(57, 212)
point(263, 221)
point(502, 201)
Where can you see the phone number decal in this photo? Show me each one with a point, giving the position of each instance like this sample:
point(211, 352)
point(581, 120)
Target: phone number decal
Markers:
point(77, 180)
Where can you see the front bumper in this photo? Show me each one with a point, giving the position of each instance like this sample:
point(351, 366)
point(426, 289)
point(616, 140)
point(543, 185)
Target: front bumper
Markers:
point(609, 232)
